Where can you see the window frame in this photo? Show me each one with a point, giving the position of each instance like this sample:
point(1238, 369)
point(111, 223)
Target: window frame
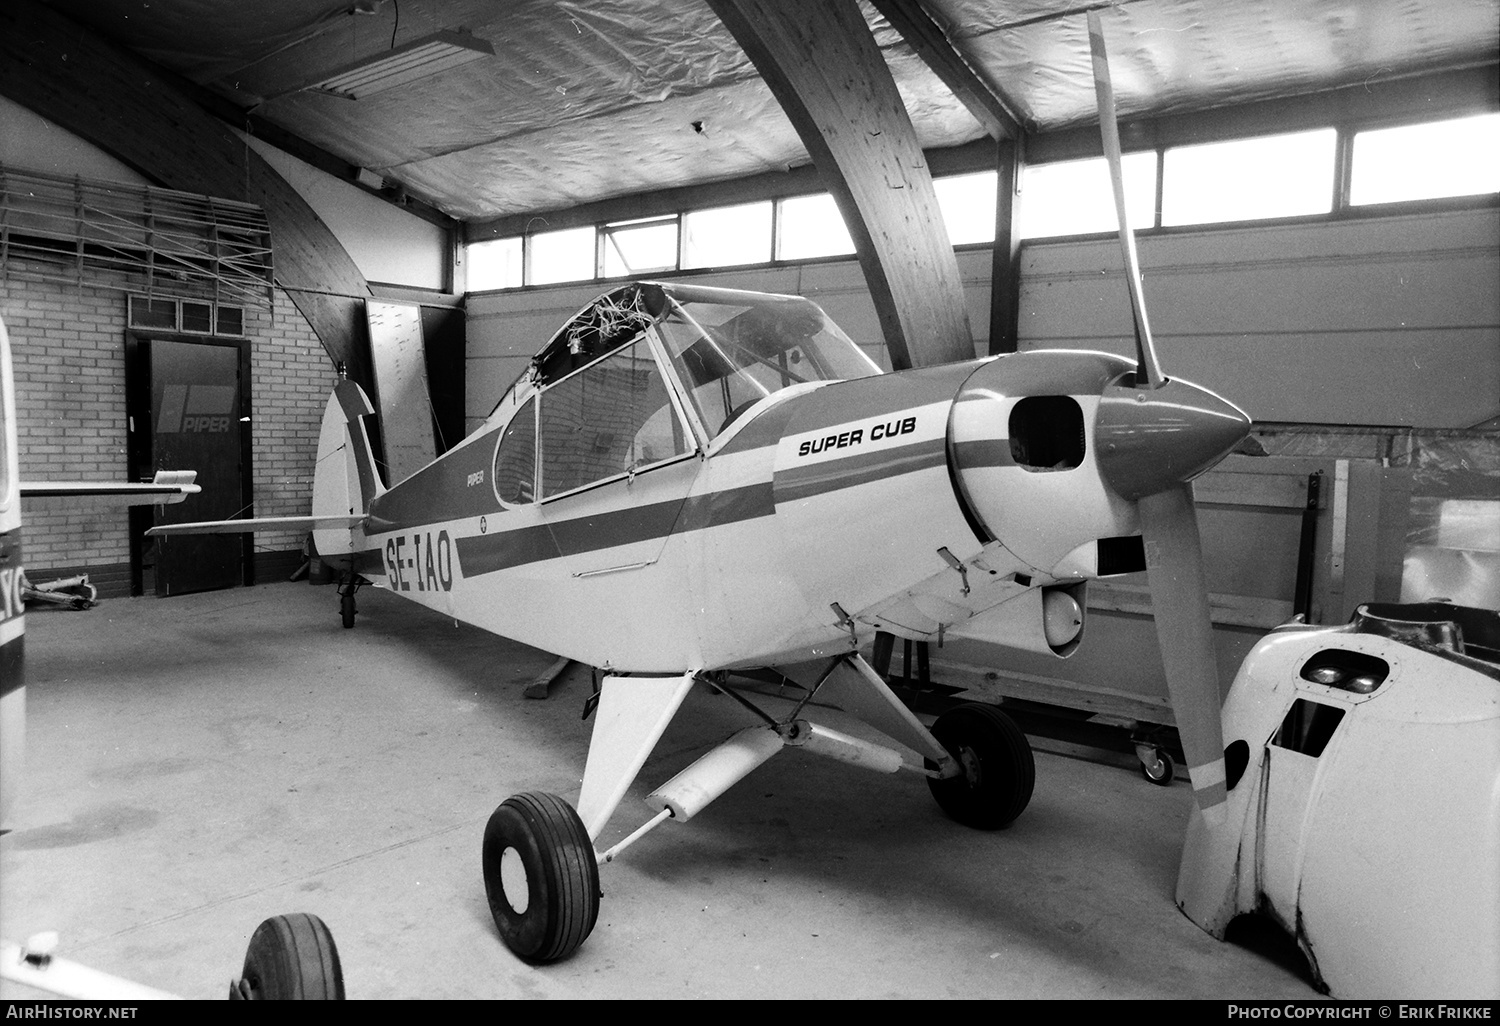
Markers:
point(669, 379)
point(1349, 135)
point(1164, 137)
point(529, 403)
point(607, 231)
point(1333, 172)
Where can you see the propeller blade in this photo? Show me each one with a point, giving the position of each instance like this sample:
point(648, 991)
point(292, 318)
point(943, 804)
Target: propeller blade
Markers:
point(1179, 600)
point(1148, 370)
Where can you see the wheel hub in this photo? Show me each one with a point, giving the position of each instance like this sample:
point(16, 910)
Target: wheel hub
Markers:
point(513, 883)
point(970, 762)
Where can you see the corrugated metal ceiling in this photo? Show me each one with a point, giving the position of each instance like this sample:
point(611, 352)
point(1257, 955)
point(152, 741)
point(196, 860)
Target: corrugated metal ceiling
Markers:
point(588, 100)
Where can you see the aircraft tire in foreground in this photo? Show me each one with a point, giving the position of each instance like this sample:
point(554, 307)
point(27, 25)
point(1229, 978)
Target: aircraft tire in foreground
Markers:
point(541, 876)
point(290, 958)
point(998, 769)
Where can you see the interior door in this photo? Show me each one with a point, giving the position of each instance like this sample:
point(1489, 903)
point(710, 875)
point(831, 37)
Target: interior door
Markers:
point(195, 424)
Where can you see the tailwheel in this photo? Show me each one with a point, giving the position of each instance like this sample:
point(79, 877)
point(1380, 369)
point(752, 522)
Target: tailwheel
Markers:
point(541, 876)
point(346, 599)
point(998, 770)
point(290, 958)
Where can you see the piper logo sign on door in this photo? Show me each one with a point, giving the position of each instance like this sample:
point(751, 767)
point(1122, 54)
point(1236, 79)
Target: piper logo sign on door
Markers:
point(196, 409)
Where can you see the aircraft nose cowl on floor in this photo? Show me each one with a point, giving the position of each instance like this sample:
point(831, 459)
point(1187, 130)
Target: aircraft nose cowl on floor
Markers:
point(1151, 439)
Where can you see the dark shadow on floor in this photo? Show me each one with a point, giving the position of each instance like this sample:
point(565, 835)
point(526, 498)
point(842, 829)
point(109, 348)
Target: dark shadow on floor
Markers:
point(1258, 933)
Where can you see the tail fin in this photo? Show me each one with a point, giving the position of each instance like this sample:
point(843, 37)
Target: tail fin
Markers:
point(346, 480)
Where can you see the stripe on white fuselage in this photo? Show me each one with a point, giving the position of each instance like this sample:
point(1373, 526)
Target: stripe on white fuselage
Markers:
point(857, 452)
point(904, 442)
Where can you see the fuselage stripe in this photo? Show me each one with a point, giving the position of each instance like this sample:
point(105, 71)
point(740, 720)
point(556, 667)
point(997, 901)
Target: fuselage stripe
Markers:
point(504, 550)
point(988, 452)
point(487, 553)
point(805, 482)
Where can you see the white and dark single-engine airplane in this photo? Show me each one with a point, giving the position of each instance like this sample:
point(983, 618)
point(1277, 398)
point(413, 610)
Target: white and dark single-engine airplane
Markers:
point(690, 481)
point(693, 480)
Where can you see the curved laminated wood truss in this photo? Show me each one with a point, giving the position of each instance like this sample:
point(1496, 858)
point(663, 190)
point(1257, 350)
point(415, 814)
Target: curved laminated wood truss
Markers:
point(144, 116)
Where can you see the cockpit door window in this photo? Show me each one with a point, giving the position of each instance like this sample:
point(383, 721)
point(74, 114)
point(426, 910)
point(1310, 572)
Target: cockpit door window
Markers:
point(614, 417)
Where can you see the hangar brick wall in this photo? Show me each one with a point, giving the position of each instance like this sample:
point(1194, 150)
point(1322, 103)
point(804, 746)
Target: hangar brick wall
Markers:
point(68, 348)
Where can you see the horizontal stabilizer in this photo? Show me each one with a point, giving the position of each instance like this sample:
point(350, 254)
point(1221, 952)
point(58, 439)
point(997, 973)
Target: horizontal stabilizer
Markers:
point(168, 486)
point(259, 524)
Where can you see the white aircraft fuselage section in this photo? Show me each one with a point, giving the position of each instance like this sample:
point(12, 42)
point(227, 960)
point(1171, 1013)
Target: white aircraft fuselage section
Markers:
point(826, 512)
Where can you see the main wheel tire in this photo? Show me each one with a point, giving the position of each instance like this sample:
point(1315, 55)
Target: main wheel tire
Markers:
point(291, 958)
point(346, 608)
point(998, 769)
point(541, 876)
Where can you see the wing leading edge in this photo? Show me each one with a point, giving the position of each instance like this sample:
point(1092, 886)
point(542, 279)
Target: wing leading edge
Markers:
point(252, 524)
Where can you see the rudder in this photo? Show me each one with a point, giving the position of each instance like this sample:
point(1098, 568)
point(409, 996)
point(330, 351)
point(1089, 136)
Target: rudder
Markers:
point(346, 480)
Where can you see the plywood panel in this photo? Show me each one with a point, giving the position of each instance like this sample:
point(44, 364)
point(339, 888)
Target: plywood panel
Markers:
point(402, 395)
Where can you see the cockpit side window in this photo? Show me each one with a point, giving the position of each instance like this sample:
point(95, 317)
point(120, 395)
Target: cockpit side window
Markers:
point(515, 458)
point(611, 418)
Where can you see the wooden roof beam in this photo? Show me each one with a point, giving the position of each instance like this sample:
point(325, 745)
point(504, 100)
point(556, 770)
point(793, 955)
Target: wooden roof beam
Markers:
point(985, 101)
point(821, 63)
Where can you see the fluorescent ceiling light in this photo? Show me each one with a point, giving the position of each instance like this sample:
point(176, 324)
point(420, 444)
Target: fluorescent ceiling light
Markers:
point(405, 63)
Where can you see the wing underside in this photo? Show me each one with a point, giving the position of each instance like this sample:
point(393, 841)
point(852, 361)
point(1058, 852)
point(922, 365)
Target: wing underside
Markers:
point(167, 487)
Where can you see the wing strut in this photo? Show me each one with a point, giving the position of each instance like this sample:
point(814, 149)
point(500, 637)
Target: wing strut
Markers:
point(633, 712)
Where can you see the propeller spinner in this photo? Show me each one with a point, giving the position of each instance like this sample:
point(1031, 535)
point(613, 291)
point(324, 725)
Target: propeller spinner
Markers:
point(1155, 435)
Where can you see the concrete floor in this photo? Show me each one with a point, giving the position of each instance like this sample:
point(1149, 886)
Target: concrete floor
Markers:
point(197, 764)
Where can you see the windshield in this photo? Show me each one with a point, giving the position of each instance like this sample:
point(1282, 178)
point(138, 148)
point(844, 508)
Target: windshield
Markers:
point(732, 351)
